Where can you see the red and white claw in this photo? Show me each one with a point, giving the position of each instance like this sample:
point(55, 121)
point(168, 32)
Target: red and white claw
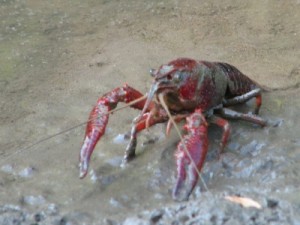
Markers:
point(98, 120)
point(94, 130)
point(190, 155)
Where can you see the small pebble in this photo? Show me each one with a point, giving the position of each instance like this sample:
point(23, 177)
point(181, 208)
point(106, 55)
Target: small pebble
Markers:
point(76, 218)
point(184, 218)
point(110, 222)
point(7, 168)
point(150, 141)
point(34, 200)
point(233, 146)
point(115, 162)
point(156, 216)
point(115, 203)
point(93, 175)
point(52, 209)
point(136, 221)
point(107, 180)
point(27, 172)
point(120, 139)
point(10, 207)
point(271, 203)
point(38, 217)
point(159, 196)
point(253, 148)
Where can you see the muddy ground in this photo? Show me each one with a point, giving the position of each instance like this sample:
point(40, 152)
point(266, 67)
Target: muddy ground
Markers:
point(58, 57)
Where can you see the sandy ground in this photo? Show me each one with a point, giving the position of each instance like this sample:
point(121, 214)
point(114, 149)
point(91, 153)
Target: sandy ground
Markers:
point(58, 57)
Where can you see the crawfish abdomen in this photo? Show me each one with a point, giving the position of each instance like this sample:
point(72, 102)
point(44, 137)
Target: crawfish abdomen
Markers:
point(238, 83)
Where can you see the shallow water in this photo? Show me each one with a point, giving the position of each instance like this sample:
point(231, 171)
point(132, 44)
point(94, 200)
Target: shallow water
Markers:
point(58, 57)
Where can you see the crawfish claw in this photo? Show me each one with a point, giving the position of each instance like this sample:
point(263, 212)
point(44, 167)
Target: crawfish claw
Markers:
point(94, 130)
point(99, 117)
point(85, 154)
point(186, 182)
point(190, 155)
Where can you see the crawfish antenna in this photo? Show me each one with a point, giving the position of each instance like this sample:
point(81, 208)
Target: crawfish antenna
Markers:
point(151, 93)
point(30, 146)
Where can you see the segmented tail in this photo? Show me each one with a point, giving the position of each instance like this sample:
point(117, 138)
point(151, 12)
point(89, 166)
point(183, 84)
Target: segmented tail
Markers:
point(239, 83)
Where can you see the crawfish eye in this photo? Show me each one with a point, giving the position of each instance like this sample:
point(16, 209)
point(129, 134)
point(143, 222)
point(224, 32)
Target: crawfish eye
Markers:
point(178, 77)
point(153, 72)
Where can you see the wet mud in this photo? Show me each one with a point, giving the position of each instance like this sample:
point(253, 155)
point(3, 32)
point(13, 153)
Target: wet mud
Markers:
point(58, 57)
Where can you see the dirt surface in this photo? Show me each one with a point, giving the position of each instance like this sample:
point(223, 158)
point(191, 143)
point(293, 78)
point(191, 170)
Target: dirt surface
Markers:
point(58, 57)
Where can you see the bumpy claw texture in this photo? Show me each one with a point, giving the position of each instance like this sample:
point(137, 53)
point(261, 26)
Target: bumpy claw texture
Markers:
point(98, 120)
point(95, 129)
point(194, 143)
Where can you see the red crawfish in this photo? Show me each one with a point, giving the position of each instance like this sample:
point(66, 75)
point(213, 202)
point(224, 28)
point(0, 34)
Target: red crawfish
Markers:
point(197, 91)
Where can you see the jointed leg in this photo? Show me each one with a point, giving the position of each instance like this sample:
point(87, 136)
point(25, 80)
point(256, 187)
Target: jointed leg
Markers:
point(226, 130)
point(244, 98)
point(148, 119)
point(231, 114)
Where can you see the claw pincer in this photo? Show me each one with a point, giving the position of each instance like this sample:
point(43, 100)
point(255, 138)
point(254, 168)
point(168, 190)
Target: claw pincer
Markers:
point(190, 155)
point(94, 130)
point(98, 120)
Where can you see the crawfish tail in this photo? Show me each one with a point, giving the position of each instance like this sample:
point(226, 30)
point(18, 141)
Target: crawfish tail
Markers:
point(239, 83)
